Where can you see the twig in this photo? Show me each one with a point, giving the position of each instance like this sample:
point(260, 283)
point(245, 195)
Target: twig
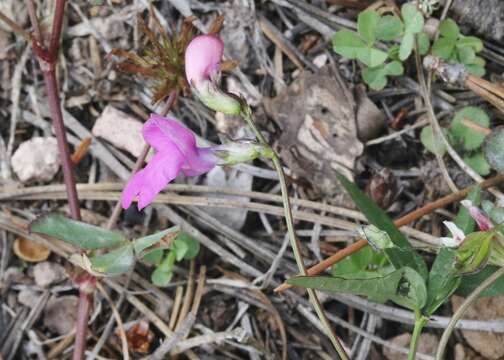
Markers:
point(463, 308)
point(32, 12)
point(15, 27)
point(182, 331)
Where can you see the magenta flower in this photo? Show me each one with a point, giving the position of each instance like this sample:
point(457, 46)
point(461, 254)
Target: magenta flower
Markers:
point(484, 223)
point(202, 66)
point(176, 152)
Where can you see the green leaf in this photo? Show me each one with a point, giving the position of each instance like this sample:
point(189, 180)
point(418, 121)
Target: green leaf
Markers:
point(367, 23)
point(476, 70)
point(464, 220)
point(393, 52)
point(77, 233)
point(407, 43)
point(350, 45)
point(394, 68)
point(389, 28)
point(160, 240)
point(494, 149)
point(413, 19)
point(472, 281)
point(179, 248)
point(113, 263)
point(346, 43)
point(380, 219)
point(376, 77)
point(363, 260)
point(154, 257)
point(423, 43)
point(470, 41)
point(193, 246)
point(427, 138)
point(443, 280)
point(470, 139)
point(478, 163)
point(404, 286)
point(449, 29)
point(443, 48)
point(161, 278)
point(466, 55)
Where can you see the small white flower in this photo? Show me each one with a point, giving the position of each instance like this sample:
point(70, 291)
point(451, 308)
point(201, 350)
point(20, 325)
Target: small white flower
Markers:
point(457, 238)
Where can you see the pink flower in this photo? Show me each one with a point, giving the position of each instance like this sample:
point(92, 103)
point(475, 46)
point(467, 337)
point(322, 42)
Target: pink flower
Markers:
point(478, 215)
point(202, 58)
point(202, 66)
point(176, 152)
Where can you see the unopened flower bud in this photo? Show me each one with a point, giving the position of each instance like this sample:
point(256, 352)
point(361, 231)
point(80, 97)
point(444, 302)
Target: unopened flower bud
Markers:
point(240, 151)
point(475, 251)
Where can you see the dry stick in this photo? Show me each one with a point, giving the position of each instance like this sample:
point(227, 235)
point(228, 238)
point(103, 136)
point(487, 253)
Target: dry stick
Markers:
point(406, 219)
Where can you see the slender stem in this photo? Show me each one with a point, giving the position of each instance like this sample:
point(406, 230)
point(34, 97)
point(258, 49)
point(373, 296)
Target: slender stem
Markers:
point(463, 308)
point(247, 115)
point(83, 310)
point(406, 219)
point(420, 322)
point(59, 13)
point(64, 150)
point(32, 11)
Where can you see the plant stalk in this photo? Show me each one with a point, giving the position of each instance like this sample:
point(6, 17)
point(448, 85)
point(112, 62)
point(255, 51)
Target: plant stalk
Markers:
point(420, 322)
point(247, 116)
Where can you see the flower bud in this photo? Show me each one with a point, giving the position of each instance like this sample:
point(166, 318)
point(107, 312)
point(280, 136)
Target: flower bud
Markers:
point(474, 252)
point(202, 65)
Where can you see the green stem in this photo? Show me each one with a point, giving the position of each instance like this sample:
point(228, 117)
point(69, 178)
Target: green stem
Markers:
point(462, 309)
point(420, 322)
point(247, 116)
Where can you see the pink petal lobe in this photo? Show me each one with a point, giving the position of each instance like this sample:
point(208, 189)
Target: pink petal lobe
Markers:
point(148, 182)
point(161, 133)
point(202, 57)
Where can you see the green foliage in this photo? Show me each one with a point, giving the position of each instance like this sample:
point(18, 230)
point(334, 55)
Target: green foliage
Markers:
point(434, 145)
point(183, 247)
point(467, 137)
point(403, 286)
point(364, 260)
point(403, 253)
point(493, 149)
point(413, 24)
point(76, 233)
point(359, 45)
point(464, 220)
point(474, 252)
point(455, 47)
point(376, 77)
point(472, 281)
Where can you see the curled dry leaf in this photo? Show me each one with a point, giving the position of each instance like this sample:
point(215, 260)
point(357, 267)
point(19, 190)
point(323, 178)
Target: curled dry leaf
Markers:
point(30, 251)
point(140, 337)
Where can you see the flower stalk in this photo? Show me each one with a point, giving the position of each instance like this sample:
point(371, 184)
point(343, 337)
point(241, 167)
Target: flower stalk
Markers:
point(246, 114)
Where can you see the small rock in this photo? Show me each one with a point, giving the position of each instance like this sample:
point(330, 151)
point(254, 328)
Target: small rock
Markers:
point(36, 159)
point(487, 343)
point(28, 297)
point(120, 129)
point(234, 179)
point(47, 273)
point(427, 344)
point(320, 60)
point(60, 314)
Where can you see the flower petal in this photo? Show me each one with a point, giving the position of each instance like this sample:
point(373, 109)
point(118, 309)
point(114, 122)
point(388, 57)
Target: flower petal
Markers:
point(457, 233)
point(148, 182)
point(202, 57)
point(162, 132)
point(479, 216)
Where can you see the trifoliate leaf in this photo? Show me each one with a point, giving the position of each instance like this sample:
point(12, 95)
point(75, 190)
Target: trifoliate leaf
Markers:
point(443, 48)
point(470, 41)
point(346, 43)
point(413, 19)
